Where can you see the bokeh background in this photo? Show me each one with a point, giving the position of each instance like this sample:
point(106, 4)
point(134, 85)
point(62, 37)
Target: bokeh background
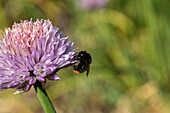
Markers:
point(129, 41)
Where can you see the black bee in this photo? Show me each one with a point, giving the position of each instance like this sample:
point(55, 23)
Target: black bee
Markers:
point(84, 61)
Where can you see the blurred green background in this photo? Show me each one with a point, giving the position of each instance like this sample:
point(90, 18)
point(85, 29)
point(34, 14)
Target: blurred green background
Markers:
point(129, 41)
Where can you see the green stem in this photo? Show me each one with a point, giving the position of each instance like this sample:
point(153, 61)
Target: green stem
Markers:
point(43, 98)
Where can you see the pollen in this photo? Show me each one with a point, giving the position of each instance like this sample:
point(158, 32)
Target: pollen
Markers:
point(76, 71)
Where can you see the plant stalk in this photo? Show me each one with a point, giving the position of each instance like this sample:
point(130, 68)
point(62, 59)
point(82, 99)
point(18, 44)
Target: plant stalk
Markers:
point(43, 98)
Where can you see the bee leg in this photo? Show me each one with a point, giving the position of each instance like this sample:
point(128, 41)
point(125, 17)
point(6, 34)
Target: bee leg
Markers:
point(76, 69)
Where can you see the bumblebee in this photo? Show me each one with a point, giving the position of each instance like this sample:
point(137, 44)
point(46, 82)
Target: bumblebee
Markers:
point(84, 60)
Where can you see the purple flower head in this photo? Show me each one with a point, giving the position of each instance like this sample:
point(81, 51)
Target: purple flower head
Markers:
point(92, 4)
point(32, 51)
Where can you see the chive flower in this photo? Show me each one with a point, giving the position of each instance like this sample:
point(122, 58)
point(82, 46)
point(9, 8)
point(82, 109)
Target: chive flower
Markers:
point(92, 4)
point(33, 51)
